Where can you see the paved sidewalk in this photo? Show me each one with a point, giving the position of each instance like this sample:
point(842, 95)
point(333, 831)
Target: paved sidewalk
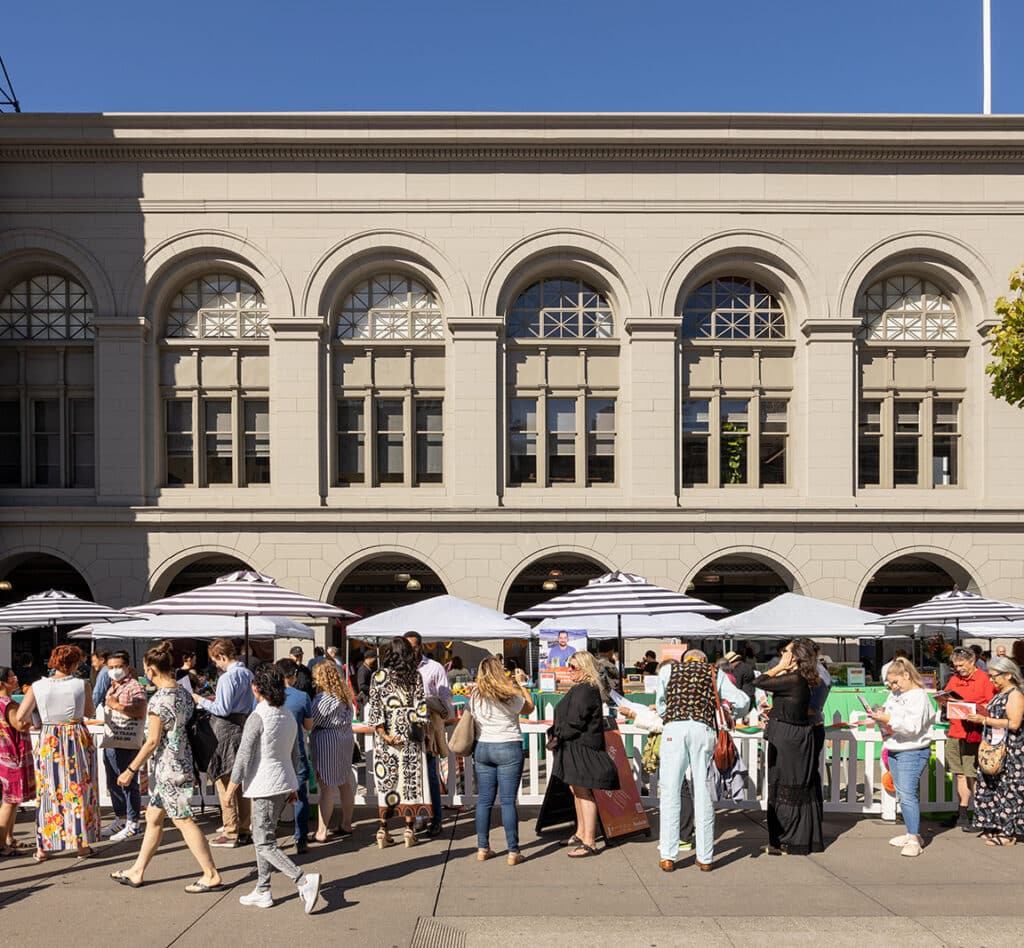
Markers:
point(436, 895)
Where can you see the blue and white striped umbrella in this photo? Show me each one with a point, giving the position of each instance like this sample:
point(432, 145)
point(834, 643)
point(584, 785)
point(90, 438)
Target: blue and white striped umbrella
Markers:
point(952, 608)
point(55, 608)
point(618, 594)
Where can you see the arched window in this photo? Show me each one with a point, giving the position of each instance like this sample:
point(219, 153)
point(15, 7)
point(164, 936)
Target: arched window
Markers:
point(910, 406)
point(47, 411)
point(387, 361)
point(733, 308)
point(561, 308)
point(735, 399)
point(561, 398)
point(214, 376)
point(218, 306)
point(906, 308)
point(390, 306)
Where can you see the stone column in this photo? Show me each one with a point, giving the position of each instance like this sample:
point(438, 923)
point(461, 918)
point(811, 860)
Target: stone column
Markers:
point(474, 414)
point(829, 400)
point(298, 417)
point(648, 413)
point(122, 448)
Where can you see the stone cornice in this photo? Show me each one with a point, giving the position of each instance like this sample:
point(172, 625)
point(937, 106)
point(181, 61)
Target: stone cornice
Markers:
point(825, 328)
point(959, 153)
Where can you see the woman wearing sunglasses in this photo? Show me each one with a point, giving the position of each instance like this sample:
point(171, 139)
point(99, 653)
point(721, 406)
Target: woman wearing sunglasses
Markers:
point(581, 760)
point(907, 718)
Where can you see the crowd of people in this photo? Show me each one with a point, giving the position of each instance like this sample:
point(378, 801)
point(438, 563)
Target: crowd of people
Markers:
point(257, 755)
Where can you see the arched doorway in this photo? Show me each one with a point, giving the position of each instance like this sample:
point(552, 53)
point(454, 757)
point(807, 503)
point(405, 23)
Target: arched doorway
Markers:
point(543, 579)
point(738, 582)
point(908, 580)
point(33, 573)
point(382, 582)
point(202, 572)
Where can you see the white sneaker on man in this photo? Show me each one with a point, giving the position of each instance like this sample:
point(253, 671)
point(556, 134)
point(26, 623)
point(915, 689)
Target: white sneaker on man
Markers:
point(309, 891)
point(258, 899)
point(900, 840)
point(114, 828)
point(130, 831)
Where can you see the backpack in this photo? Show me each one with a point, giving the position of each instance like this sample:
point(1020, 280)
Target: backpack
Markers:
point(201, 739)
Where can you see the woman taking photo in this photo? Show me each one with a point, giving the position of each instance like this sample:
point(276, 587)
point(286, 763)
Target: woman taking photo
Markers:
point(496, 704)
point(331, 740)
point(581, 760)
point(907, 719)
point(397, 712)
point(17, 774)
point(171, 775)
point(999, 798)
point(794, 782)
point(68, 812)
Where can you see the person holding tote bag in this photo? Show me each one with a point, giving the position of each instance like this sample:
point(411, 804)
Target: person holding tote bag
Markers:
point(495, 705)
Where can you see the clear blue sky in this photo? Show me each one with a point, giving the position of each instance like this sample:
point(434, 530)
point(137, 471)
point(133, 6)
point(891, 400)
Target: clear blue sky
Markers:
point(531, 55)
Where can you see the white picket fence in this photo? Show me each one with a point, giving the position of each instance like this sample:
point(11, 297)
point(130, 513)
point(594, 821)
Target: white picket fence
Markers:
point(852, 781)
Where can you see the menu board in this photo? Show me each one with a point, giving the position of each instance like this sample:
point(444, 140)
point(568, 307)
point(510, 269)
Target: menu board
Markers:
point(621, 811)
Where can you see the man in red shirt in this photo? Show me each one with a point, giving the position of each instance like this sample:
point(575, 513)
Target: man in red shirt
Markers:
point(972, 684)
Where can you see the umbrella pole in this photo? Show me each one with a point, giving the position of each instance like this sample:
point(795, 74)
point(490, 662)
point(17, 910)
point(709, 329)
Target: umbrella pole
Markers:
point(245, 648)
point(622, 669)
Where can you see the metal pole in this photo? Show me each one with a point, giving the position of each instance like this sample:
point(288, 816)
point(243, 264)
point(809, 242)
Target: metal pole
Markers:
point(987, 54)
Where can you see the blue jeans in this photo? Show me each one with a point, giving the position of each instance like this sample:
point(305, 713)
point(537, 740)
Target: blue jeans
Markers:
point(686, 744)
point(301, 806)
point(499, 770)
point(434, 786)
point(907, 767)
point(127, 801)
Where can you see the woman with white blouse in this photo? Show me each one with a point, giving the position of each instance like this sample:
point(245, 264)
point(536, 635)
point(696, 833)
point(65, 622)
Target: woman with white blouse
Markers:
point(496, 704)
point(907, 719)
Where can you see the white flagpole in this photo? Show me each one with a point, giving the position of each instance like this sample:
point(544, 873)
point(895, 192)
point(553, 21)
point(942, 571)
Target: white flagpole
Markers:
point(987, 43)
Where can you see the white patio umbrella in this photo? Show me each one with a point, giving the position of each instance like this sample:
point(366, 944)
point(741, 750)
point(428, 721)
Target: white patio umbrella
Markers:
point(954, 608)
point(790, 615)
point(617, 595)
point(245, 593)
point(198, 627)
point(635, 627)
point(993, 630)
point(55, 608)
point(442, 618)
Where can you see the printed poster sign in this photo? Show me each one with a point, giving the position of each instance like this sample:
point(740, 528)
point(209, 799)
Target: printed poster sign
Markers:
point(557, 646)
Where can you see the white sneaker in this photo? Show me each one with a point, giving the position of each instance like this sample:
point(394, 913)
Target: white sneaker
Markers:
point(900, 840)
point(913, 848)
point(130, 831)
point(309, 891)
point(258, 899)
point(114, 828)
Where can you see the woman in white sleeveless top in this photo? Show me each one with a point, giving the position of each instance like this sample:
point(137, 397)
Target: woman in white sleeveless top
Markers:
point(68, 811)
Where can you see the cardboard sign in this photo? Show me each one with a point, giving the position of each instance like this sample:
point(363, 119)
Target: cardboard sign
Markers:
point(548, 681)
point(673, 653)
point(621, 811)
point(929, 680)
point(856, 677)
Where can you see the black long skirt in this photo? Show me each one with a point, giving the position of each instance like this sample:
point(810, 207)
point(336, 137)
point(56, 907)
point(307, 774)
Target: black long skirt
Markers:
point(794, 789)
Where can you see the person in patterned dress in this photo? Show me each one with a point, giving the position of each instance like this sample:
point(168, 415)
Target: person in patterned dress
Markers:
point(67, 810)
point(397, 712)
point(171, 775)
point(17, 773)
point(999, 798)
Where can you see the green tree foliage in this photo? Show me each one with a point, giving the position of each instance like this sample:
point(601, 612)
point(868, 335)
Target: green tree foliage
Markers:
point(1007, 365)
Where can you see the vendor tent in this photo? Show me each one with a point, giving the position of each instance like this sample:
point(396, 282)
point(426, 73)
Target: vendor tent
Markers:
point(442, 618)
point(635, 627)
point(198, 627)
point(790, 615)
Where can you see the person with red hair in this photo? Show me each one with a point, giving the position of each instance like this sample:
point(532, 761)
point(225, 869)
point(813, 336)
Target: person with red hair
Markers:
point(67, 812)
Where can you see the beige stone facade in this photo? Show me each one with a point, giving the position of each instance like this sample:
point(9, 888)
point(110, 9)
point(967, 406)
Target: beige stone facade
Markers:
point(471, 211)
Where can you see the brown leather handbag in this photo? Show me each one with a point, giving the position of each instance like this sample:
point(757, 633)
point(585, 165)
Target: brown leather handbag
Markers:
point(725, 749)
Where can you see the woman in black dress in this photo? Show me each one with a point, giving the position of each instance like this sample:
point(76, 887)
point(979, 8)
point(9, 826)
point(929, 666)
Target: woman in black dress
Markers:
point(794, 781)
point(581, 760)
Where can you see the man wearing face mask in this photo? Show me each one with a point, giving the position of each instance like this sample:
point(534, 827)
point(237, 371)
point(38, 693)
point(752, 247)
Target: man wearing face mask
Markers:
point(124, 713)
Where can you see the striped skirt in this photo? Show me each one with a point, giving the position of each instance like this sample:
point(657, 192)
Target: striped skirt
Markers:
point(68, 814)
point(332, 754)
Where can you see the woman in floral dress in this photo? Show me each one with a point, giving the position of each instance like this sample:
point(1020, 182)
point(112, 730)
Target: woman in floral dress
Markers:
point(67, 807)
point(397, 712)
point(171, 775)
point(17, 773)
point(999, 799)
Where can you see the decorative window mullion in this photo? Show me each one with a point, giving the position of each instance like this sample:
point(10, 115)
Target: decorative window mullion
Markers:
point(715, 436)
point(888, 439)
point(754, 440)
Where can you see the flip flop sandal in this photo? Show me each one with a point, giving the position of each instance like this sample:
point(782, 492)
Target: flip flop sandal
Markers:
point(122, 879)
point(571, 841)
point(587, 851)
point(1000, 841)
point(201, 888)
